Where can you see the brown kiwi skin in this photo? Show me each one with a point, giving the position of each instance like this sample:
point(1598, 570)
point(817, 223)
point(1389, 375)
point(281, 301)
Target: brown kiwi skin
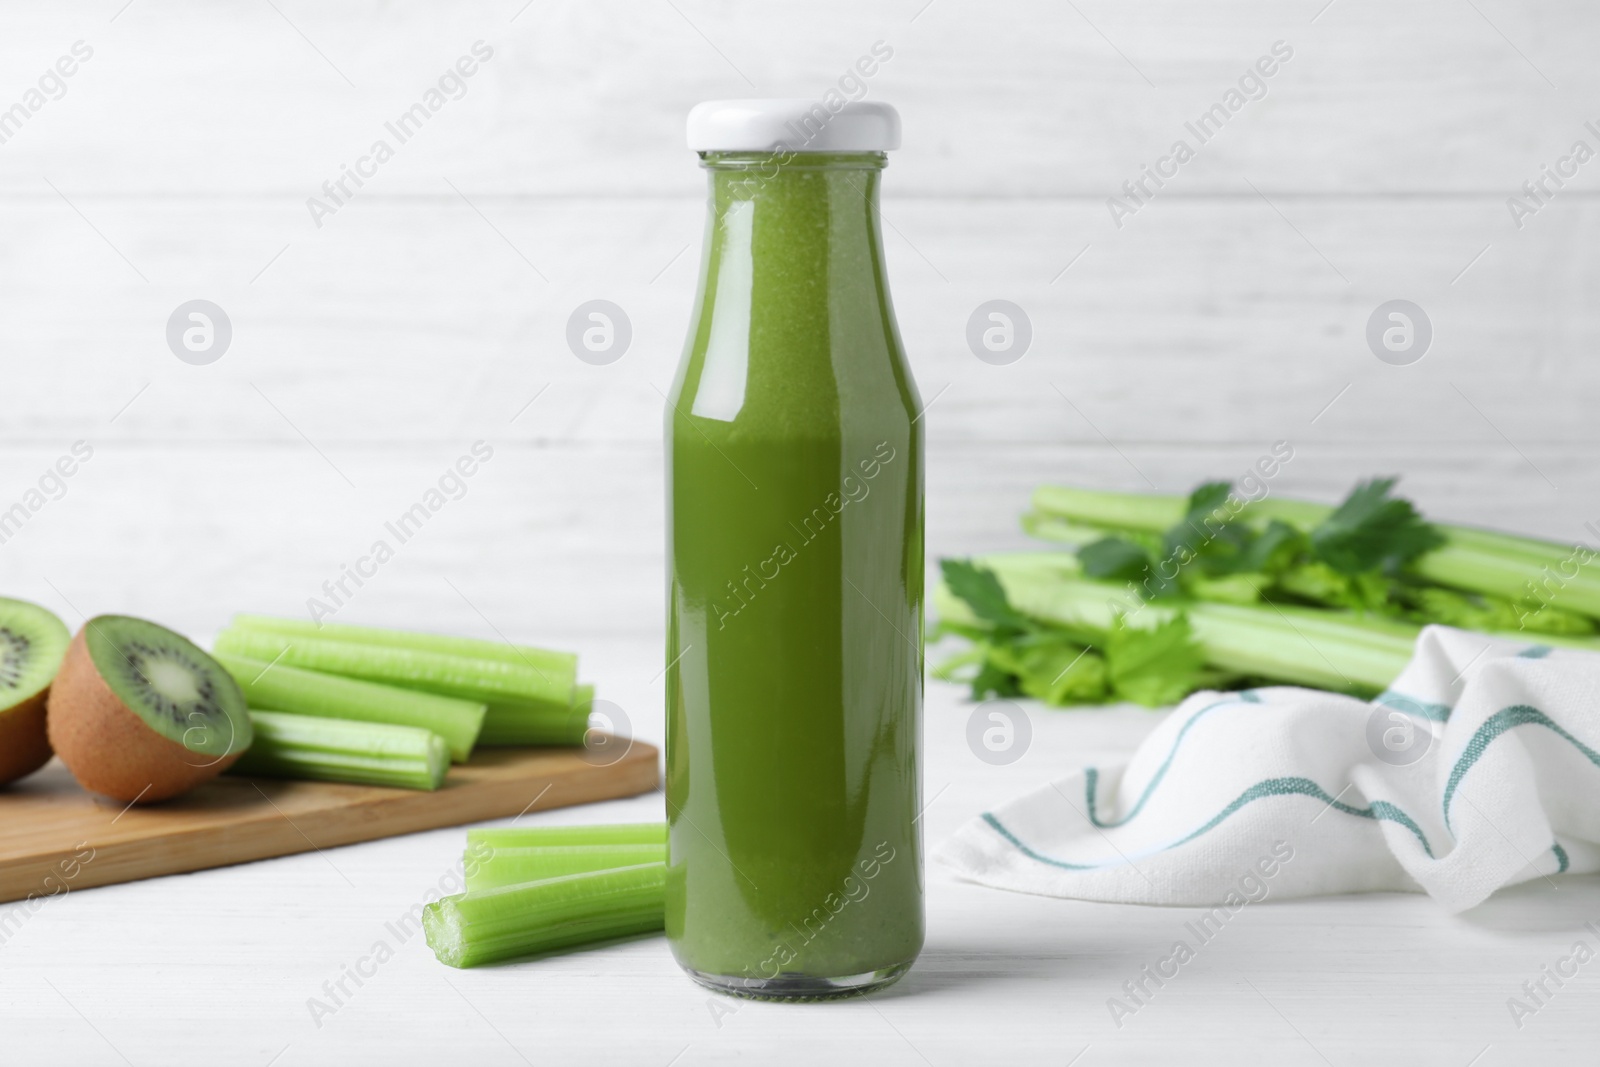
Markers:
point(108, 748)
point(24, 743)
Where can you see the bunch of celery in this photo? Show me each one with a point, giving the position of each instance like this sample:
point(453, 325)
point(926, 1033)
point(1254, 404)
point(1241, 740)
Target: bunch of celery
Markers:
point(543, 889)
point(1163, 595)
point(336, 694)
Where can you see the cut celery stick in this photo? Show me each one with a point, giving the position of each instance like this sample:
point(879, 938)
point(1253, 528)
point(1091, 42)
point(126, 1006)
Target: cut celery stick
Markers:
point(339, 750)
point(514, 866)
point(276, 687)
point(489, 681)
point(618, 833)
point(519, 920)
point(546, 660)
point(507, 724)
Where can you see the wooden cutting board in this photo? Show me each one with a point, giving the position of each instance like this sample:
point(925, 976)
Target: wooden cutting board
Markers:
point(55, 837)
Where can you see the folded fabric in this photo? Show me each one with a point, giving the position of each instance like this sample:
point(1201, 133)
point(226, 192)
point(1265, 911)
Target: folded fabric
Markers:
point(1477, 769)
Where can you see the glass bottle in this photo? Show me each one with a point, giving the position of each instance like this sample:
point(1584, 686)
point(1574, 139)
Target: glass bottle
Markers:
point(795, 533)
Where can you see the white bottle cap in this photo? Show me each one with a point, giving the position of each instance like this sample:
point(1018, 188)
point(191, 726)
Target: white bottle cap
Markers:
point(793, 125)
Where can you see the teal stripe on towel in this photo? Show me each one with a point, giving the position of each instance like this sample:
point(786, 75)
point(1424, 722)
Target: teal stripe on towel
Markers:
point(1380, 810)
point(1091, 775)
point(1494, 726)
point(1412, 706)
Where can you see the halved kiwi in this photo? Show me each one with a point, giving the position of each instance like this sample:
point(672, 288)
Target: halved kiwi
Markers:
point(141, 713)
point(32, 642)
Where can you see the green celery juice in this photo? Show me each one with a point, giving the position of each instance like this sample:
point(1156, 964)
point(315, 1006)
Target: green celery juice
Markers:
point(795, 497)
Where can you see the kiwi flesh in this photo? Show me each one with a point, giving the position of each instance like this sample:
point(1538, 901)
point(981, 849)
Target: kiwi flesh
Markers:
point(139, 713)
point(32, 642)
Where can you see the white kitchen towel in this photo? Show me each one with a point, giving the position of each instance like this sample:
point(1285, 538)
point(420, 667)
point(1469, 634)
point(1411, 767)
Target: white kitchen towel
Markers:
point(1477, 769)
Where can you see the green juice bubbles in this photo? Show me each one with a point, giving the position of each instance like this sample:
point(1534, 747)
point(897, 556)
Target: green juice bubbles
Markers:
point(795, 525)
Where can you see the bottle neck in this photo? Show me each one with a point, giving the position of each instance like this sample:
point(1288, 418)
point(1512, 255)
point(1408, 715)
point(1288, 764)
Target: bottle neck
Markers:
point(800, 229)
point(794, 295)
point(827, 186)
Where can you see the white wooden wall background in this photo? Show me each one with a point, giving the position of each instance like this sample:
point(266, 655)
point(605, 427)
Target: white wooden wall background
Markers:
point(1226, 314)
point(427, 313)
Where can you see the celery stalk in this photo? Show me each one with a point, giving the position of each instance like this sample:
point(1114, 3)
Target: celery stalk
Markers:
point(1098, 603)
point(1304, 646)
point(1157, 512)
point(1256, 641)
point(508, 724)
point(1477, 560)
point(621, 833)
point(546, 660)
point(488, 681)
point(513, 866)
point(339, 750)
point(276, 687)
point(496, 924)
point(1048, 527)
point(1151, 512)
point(1518, 577)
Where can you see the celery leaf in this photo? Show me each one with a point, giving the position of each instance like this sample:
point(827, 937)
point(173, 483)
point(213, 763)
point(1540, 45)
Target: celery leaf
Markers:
point(1114, 557)
point(983, 593)
point(1373, 531)
point(1155, 666)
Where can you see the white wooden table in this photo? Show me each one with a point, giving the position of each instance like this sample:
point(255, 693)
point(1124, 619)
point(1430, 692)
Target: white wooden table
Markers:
point(429, 311)
point(231, 964)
